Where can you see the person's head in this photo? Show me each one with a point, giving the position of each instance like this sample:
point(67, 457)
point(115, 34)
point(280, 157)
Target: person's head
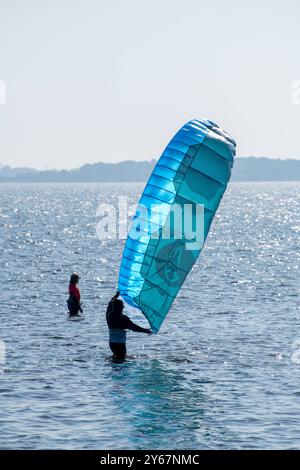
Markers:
point(118, 306)
point(74, 278)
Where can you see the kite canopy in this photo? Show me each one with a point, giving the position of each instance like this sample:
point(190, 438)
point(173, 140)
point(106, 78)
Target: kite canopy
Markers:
point(165, 237)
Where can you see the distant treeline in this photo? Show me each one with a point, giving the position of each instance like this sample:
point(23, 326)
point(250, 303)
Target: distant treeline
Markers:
point(245, 169)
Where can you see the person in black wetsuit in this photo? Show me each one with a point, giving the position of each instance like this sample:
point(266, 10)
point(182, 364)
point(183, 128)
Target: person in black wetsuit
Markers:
point(118, 324)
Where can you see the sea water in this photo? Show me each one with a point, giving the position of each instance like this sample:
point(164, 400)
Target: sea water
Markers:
point(224, 370)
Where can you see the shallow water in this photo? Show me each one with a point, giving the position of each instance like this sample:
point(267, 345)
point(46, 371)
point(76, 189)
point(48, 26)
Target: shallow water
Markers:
point(221, 373)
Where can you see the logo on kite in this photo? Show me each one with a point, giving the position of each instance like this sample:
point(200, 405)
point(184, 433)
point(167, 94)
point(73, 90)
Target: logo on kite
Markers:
point(169, 261)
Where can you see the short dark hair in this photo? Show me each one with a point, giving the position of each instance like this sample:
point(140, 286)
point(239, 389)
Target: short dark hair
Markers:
point(74, 278)
point(118, 306)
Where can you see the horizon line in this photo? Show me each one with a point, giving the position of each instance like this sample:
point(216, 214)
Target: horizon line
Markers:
point(6, 165)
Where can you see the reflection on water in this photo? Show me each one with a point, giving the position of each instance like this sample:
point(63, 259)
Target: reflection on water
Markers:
point(157, 403)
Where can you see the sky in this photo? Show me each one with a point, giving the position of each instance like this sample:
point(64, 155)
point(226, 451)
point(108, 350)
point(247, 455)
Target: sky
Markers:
point(97, 80)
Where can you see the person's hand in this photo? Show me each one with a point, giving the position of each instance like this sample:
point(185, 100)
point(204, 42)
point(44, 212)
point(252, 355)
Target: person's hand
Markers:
point(149, 332)
point(116, 295)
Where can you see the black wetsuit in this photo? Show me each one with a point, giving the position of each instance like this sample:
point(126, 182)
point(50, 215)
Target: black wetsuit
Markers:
point(73, 306)
point(118, 324)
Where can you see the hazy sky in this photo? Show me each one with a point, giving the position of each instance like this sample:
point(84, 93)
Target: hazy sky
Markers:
point(110, 80)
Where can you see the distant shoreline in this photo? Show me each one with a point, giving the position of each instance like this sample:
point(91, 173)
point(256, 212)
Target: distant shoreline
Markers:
point(10, 183)
point(247, 169)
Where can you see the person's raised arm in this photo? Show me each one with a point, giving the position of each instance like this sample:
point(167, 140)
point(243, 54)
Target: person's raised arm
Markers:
point(110, 303)
point(116, 295)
